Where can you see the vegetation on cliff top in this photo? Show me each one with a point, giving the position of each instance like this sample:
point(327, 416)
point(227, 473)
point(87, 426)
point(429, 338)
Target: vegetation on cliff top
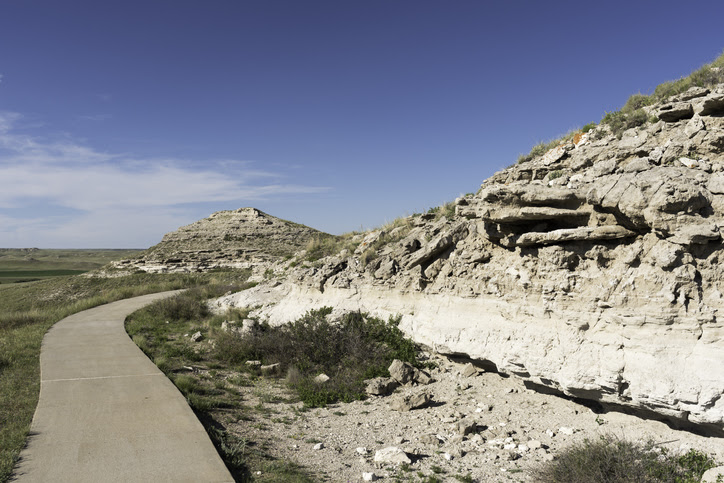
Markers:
point(633, 114)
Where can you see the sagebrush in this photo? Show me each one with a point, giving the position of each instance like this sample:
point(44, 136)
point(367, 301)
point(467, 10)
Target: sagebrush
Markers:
point(354, 348)
point(613, 460)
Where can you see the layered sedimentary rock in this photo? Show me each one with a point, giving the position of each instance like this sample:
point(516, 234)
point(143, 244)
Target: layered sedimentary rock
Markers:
point(593, 270)
point(242, 238)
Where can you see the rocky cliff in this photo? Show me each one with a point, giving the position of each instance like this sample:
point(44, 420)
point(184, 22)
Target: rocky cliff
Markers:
point(241, 238)
point(592, 269)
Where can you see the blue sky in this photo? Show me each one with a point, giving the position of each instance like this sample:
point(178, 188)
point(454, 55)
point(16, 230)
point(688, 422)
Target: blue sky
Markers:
point(123, 120)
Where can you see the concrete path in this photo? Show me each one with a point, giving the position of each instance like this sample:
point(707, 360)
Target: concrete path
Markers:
point(108, 414)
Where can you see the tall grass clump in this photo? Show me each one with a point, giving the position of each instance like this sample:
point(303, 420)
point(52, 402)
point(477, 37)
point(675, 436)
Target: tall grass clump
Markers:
point(446, 209)
point(322, 246)
point(392, 232)
point(706, 76)
point(350, 350)
point(633, 114)
point(543, 147)
point(613, 460)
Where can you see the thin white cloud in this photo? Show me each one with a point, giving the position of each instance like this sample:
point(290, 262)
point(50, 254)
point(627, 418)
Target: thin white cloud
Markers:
point(95, 117)
point(113, 200)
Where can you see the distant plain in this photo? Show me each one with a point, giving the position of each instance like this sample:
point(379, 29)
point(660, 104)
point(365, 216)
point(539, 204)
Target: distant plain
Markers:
point(31, 264)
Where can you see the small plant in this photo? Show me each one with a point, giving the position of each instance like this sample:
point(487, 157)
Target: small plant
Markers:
point(543, 147)
point(367, 256)
point(446, 209)
point(555, 174)
point(464, 478)
point(430, 479)
point(620, 121)
point(588, 127)
point(323, 246)
point(696, 463)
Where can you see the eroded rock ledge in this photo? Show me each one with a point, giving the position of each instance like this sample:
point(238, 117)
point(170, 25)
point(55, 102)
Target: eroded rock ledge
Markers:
point(593, 270)
point(243, 238)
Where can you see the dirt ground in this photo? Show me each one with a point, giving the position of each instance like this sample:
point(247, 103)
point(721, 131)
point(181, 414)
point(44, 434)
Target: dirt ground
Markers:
point(517, 430)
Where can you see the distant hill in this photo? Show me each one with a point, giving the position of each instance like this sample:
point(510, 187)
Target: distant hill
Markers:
point(226, 239)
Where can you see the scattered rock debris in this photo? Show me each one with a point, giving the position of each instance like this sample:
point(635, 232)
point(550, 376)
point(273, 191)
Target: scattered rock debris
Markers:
point(496, 430)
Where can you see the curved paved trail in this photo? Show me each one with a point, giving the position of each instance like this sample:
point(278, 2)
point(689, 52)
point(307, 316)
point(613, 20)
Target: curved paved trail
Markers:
point(108, 414)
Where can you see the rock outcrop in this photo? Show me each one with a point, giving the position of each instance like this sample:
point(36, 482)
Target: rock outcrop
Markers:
point(592, 270)
point(243, 238)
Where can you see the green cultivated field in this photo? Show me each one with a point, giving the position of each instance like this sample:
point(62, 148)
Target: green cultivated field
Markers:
point(19, 276)
point(19, 265)
point(28, 264)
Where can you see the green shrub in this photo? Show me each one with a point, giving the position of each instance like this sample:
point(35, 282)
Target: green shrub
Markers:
point(353, 349)
point(188, 305)
point(181, 307)
point(613, 460)
point(637, 101)
point(446, 209)
point(619, 121)
point(695, 463)
point(555, 174)
point(588, 127)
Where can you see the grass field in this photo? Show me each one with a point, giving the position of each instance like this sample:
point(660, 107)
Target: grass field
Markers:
point(20, 276)
point(19, 265)
point(28, 310)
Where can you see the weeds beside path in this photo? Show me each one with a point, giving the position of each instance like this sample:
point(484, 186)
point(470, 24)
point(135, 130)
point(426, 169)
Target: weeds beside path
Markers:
point(28, 310)
point(213, 371)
